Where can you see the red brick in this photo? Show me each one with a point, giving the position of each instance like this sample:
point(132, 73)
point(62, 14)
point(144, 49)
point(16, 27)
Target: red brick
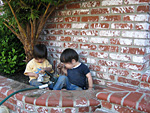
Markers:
point(111, 2)
point(90, 4)
point(83, 53)
point(19, 96)
point(140, 17)
point(136, 1)
point(90, 19)
point(71, 32)
point(117, 97)
point(56, 19)
point(70, 45)
point(65, 26)
point(131, 66)
point(121, 57)
point(142, 26)
point(99, 54)
point(136, 75)
point(62, 38)
point(121, 41)
point(80, 12)
point(80, 39)
point(125, 9)
point(145, 85)
point(100, 25)
point(132, 99)
point(108, 63)
point(142, 9)
point(102, 96)
point(72, 19)
point(129, 81)
point(30, 107)
point(42, 110)
point(130, 50)
point(49, 26)
point(122, 26)
point(99, 40)
point(98, 68)
point(56, 110)
point(100, 11)
point(106, 104)
point(121, 109)
point(41, 101)
point(118, 71)
point(111, 18)
point(56, 32)
point(80, 25)
point(99, 82)
point(93, 102)
point(73, 6)
point(144, 104)
point(54, 98)
point(50, 38)
point(29, 100)
point(44, 42)
point(108, 48)
point(112, 33)
point(69, 110)
point(83, 109)
point(12, 100)
point(67, 99)
point(89, 32)
point(81, 101)
point(64, 13)
point(88, 46)
point(122, 87)
point(9, 106)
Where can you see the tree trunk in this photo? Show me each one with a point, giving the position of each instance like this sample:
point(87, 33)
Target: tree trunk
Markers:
point(28, 51)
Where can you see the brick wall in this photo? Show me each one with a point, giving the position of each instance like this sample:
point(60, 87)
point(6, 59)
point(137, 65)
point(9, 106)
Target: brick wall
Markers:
point(111, 37)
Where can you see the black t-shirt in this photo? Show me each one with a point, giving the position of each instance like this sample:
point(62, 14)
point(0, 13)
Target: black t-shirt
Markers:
point(77, 76)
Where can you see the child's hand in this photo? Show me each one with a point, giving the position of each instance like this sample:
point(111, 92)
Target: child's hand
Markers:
point(60, 65)
point(42, 70)
point(36, 75)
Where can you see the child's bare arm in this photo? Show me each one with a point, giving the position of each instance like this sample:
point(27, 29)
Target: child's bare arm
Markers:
point(90, 81)
point(46, 69)
point(30, 74)
point(62, 69)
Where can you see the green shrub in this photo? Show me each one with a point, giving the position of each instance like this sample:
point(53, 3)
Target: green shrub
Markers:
point(11, 51)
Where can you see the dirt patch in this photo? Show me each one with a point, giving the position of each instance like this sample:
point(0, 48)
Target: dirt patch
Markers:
point(17, 76)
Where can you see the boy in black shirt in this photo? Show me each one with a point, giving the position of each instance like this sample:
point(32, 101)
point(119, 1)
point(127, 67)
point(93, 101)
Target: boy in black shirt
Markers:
point(75, 72)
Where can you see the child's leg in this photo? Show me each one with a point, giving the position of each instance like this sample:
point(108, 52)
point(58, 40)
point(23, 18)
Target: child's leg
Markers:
point(61, 82)
point(64, 81)
point(34, 82)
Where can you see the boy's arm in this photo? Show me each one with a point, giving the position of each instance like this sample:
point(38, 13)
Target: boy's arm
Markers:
point(49, 69)
point(90, 81)
point(30, 74)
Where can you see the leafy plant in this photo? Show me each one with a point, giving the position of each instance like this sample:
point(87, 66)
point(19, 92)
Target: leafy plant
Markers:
point(11, 51)
point(26, 19)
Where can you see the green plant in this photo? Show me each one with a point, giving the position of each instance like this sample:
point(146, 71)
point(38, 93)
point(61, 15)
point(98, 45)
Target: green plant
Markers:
point(11, 51)
point(26, 19)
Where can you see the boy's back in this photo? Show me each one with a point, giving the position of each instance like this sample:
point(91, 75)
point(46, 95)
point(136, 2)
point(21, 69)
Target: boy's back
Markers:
point(77, 75)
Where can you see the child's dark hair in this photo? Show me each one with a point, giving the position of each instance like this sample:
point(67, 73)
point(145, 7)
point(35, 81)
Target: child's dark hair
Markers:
point(69, 54)
point(40, 51)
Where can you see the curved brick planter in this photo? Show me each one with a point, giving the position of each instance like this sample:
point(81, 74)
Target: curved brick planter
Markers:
point(46, 101)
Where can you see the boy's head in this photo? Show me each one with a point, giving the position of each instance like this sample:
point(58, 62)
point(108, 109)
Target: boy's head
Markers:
point(40, 52)
point(69, 57)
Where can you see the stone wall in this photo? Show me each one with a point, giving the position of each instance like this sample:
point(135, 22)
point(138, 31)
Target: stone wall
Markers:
point(111, 37)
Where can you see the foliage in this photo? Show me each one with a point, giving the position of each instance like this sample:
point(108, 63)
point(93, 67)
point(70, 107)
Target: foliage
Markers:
point(11, 51)
point(26, 19)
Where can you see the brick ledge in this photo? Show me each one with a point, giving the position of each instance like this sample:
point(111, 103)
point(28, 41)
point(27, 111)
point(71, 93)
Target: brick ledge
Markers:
point(117, 97)
point(80, 101)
